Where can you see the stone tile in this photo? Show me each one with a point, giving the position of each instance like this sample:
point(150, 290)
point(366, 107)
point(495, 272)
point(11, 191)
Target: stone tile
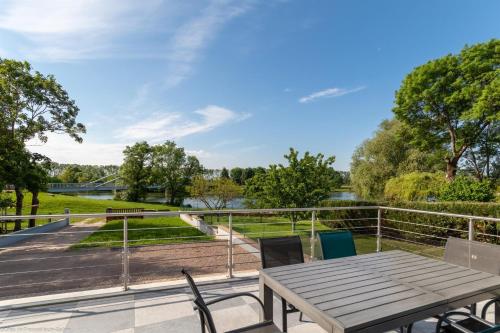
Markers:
point(103, 317)
point(159, 309)
point(184, 324)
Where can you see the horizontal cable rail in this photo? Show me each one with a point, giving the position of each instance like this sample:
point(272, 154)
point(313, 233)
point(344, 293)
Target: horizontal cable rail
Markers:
point(425, 225)
point(228, 242)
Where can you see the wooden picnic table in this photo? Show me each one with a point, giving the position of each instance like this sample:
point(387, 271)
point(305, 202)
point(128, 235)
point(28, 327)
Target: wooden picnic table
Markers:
point(375, 292)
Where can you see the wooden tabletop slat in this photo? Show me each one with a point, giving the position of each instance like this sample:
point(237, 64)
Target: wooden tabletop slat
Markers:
point(379, 290)
point(390, 311)
point(368, 305)
point(366, 300)
point(341, 292)
point(343, 287)
point(362, 279)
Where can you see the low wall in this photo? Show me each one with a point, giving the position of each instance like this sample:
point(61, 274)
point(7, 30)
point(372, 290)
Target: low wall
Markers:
point(198, 223)
point(15, 237)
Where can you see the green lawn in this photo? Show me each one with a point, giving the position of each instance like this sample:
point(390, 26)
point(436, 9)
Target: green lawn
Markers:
point(256, 227)
point(182, 232)
point(55, 204)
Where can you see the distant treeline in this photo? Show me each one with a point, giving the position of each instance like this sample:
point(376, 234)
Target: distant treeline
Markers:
point(76, 173)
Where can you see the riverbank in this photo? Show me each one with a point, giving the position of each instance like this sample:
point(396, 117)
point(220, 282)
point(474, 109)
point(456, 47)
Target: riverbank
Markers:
point(56, 203)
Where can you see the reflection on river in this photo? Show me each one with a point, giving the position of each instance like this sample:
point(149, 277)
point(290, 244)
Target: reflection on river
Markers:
point(195, 203)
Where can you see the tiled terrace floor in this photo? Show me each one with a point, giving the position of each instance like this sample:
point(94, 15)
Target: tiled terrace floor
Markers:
point(159, 311)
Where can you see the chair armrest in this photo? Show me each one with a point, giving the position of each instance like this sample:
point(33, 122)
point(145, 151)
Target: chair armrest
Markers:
point(226, 297)
point(487, 305)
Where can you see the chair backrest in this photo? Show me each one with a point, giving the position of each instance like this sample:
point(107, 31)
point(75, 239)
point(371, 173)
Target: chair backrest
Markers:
point(280, 251)
point(205, 315)
point(473, 254)
point(337, 244)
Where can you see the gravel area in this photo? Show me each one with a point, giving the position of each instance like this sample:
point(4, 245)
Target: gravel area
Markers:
point(45, 264)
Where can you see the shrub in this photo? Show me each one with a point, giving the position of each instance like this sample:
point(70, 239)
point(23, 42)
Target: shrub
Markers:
point(408, 225)
point(465, 188)
point(414, 186)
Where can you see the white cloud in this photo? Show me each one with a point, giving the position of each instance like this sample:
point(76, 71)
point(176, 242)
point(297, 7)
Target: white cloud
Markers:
point(173, 125)
point(192, 38)
point(330, 92)
point(61, 30)
point(60, 148)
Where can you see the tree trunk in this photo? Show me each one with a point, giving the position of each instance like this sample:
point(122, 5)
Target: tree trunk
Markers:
point(34, 208)
point(451, 168)
point(19, 207)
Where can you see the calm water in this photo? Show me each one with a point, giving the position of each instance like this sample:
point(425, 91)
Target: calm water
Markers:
point(195, 203)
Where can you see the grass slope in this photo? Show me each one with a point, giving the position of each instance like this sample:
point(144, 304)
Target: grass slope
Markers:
point(55, 204)
point(111, 234)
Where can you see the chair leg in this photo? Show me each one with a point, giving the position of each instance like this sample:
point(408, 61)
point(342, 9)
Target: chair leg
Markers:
point(473, 308)
point(300, 317)
point(406, 328)
point(283, 315)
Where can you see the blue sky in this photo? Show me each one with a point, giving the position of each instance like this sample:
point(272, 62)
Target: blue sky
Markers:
point(234, 82)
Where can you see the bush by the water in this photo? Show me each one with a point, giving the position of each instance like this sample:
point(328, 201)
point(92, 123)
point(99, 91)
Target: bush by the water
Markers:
point(465, 188)
point(425, 186)
point(414, 186)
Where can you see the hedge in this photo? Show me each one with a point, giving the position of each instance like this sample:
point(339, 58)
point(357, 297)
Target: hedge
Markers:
point(410, 226)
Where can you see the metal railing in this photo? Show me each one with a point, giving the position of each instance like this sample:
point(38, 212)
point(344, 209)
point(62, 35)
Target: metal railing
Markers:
point(238, 230)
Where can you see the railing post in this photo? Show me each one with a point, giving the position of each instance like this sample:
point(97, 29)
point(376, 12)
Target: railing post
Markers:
point(66, 211)
point(230, 248)
point(471, 229)
point(125, 263)
point(313, 235)
point(379, 230)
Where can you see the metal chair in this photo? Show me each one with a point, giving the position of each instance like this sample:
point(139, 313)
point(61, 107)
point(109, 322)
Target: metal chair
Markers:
point(468, 323)
point(337, 244)
point(206, 319)
point(282, 251)
point(482, 257)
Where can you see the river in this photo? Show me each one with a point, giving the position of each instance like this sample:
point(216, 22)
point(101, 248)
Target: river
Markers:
point(196, 203)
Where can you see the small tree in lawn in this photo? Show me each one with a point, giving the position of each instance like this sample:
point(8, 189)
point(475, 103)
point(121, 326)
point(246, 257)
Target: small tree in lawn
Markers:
point(304, 182)
point(215, 193)
point(449, 102)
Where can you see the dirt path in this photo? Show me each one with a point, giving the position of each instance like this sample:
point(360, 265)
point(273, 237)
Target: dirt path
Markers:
point(46, 264)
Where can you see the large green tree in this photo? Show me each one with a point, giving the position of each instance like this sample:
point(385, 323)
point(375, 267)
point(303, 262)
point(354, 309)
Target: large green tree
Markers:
point(449, 102)
point(173, 169)
point(387, 154)
point(32, 105)
point(135, 171)
point(36, 177)
point(303, 182)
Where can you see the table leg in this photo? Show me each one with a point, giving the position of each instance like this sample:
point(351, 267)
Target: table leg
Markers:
point(266, 296)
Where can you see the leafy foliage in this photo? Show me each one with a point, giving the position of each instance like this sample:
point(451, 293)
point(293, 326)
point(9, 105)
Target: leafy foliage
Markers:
point(33, 104)
point(449, 102)
point(465, 188)
point(388, 154)
point(414, 186)
point(173, 170)
point(136, 170)
point(215, 193)
point(304, 182)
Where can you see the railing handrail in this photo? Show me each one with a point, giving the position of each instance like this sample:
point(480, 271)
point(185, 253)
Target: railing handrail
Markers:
point(473, 217)
point(242, 211)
